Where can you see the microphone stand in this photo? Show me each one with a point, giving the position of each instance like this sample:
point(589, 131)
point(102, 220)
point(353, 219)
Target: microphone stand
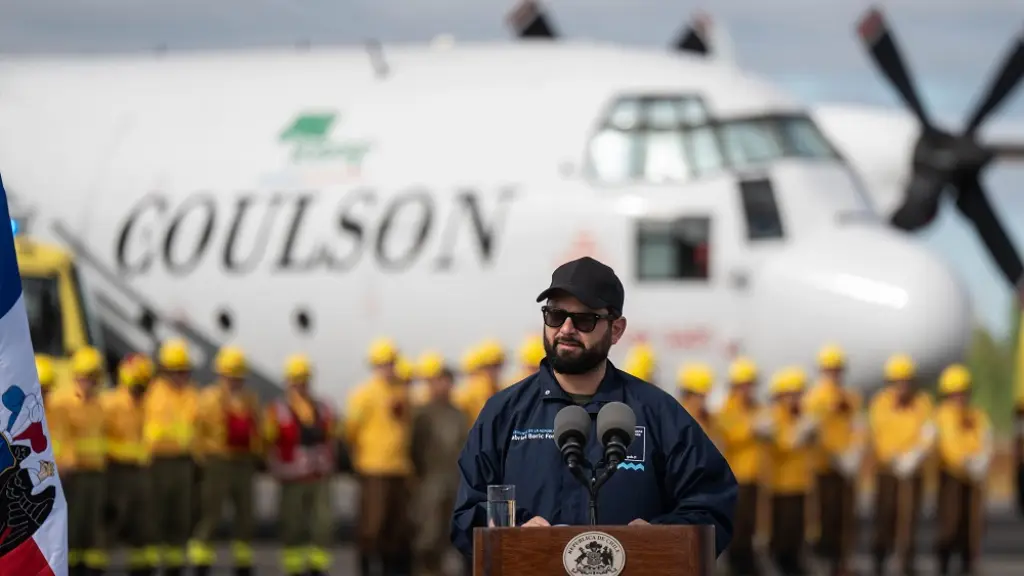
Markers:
point(594, 484)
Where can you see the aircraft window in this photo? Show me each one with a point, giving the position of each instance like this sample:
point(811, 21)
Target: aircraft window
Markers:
point(750, 143)
point(672, 139)
point(664, 158)
point(673, 250)
point(760, 209)
point(626, 114)
point(702, 144)
point(613, 155)
point(693, 111)
point(45, 321)
point(663, 115)
point(803, 137)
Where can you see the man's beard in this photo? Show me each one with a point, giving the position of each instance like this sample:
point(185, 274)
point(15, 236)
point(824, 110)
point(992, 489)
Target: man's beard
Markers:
point(579, 359)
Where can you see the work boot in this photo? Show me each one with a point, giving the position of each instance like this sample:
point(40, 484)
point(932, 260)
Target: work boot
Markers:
point(243, 571)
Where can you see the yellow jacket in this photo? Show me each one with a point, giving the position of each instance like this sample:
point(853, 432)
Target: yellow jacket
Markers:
point(790, 461)
point(694, 405)
point(58, 420)
point(85, 430)
point(123, 420)
point(963, 433)
point(473, 394)
point(377, 423)
point(169, 416)
point(897, 430)
point(734, 428)
point(219, 412)
point(838, 411)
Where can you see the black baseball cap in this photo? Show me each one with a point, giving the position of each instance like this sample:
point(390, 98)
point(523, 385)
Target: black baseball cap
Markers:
point(589, 281)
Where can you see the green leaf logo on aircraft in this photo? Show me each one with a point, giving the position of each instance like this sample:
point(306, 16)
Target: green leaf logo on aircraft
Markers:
point(311, 139)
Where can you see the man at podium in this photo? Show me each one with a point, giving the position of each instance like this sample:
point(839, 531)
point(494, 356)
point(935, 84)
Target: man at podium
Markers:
point(671, 474)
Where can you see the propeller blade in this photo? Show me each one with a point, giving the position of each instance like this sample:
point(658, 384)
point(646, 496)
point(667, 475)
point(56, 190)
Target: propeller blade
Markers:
point(694, 37)
point(529, 21)
point(881, 45)
point(1007, 151)
point(974, 204)
point(921, 204)
point(1005, 82)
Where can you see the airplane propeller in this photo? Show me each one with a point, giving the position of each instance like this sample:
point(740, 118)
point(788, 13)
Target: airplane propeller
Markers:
point(528, 20)
point(942, 159)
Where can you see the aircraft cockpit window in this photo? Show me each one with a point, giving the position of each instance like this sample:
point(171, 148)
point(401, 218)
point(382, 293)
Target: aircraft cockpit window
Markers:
point(760, 210)
point(665, 139)
point(673, 250)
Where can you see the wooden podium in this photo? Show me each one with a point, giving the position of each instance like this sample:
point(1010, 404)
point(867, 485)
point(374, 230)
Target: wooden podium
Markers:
point(646, 550)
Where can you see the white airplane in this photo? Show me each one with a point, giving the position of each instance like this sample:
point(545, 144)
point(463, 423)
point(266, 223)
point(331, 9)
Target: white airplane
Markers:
point(310, 200)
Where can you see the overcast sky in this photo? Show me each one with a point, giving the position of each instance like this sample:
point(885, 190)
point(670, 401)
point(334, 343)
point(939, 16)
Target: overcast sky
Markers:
point(808, 45)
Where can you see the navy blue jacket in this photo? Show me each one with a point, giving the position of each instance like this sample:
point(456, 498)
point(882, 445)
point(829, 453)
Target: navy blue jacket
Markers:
point(674, 474)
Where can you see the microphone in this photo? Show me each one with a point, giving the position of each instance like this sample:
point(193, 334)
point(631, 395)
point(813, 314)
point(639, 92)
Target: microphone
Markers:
point(616, 426)
point(571, 431)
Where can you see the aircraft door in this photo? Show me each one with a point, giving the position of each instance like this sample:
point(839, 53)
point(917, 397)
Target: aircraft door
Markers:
point(685, 287)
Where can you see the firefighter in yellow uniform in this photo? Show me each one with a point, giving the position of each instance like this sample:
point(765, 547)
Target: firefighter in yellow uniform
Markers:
point(837, 458)
point(902, 435)
point(377, 423)
point(300, 432)
point(695, 382)
point(169, 415)
point(965, 453)
point(734, 427)
point(85, 482)
point(531, 352)
point(129, 479)
point(641, 362)
point(227, 444)
point(484, 364)
point(790, 432)
point(56, 417)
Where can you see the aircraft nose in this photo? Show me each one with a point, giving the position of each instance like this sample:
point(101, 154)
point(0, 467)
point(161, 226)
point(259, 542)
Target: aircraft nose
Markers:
point(871, 290)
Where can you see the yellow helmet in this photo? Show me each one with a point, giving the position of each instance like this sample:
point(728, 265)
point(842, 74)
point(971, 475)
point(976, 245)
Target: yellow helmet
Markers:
point(143, 367)
point(132, 370)
point(429, 365)
point(788, 380)
point(491, 353)
point(174, 356)
point(640, 361)
point(899, 367)
point(471, 360)
point(403, 369)
point(831, 357)
point(230, 362)
point(532, 351)
point(382, 351)
point(297, 367)
point(954, 379)
point(86, 362)
point(742, 371)
point(45, 372)
point(696, 378)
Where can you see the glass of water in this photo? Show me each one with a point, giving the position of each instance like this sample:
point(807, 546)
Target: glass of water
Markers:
point(501, 506)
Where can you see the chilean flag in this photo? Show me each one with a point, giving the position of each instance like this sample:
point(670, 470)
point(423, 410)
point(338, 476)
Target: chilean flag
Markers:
point(33, 512)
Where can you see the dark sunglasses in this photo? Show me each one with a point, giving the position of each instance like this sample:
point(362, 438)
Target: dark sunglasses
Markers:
point(582, 321)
